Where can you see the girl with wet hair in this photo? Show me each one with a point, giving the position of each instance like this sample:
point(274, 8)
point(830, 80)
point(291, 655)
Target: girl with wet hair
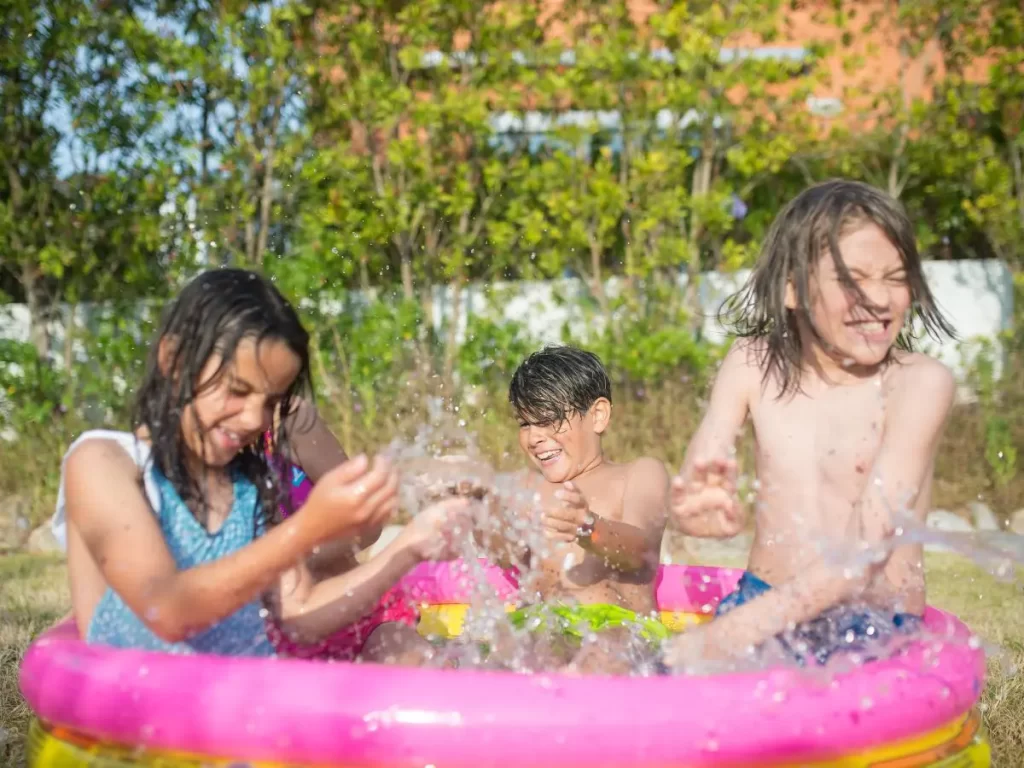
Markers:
point(847, 418)
point(174, 538)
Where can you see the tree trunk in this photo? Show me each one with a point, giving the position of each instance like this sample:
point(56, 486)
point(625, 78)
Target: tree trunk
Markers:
point(452, 338)
point(38, 333)
point(70, 329)
point(266, 202)
point(364, 274)
point(1017, 163)
point(406, 267)
point(702, 177)
point(425, 330)
point(597, 288)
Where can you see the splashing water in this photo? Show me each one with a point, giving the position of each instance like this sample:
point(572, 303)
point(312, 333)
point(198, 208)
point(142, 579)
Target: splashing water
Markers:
point(444, 459)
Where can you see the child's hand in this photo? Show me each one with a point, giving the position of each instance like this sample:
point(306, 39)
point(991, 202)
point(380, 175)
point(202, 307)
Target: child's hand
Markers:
point(434, 533)
point(352, 497)
point(706, 505)
point(446, 476)
point(563, 520)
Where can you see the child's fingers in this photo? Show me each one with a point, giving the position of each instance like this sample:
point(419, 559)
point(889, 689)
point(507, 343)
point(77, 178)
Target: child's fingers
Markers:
point(560, 524)
point(383, 496)
point(381, 474)
point(568, 515)
point(570, 498)
point(729, 472)
point(696, 487)
point(350, 470)
point(553, 535)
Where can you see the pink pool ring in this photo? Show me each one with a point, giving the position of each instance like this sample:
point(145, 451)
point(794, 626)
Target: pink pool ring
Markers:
point(120, 707)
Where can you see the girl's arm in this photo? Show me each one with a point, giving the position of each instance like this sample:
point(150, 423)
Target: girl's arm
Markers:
point(107, 509)
point(309, 611)
point(315, 448)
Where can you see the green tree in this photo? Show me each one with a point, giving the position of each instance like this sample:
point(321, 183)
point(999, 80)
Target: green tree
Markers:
point(242, 69)
point(411, 186)
point(80, 192)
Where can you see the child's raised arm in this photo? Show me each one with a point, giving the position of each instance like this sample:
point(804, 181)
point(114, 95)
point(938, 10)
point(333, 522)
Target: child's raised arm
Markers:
point(704, 501)
point(628, 545)
point(313, 446)
point(107, 509)
point(317, 451)
point(900, 480)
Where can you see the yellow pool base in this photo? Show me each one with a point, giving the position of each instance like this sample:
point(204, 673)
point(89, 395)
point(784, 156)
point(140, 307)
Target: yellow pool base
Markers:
point(961, 744)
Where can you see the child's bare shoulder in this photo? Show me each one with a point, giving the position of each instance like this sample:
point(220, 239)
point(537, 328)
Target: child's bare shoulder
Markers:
point(747, 353)
point(646, 469)
point(743, 364)
point(101, 482)
point(918, 375)
point(98, 454)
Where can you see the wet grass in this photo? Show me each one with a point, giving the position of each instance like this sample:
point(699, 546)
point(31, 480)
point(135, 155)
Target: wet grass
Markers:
point(33, 595)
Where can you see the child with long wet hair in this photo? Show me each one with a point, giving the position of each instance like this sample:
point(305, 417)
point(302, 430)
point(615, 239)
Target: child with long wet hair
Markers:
point(173, 532)
point(847, 418)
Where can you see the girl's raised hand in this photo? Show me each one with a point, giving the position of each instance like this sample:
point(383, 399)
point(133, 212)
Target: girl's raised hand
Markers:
point(353, 496)
point(705, 504)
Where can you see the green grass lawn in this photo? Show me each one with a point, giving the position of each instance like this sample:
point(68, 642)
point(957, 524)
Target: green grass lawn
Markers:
point(33, 595)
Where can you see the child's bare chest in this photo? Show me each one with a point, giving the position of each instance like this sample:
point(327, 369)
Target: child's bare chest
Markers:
point(829, 439)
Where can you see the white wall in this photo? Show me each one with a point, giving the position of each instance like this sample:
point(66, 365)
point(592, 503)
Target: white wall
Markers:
point(977, 297)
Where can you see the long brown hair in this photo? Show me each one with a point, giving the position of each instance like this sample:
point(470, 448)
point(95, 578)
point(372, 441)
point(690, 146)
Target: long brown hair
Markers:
point(810, 226)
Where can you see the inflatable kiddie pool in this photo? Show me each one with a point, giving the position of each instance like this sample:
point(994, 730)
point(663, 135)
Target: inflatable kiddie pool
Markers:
point(105, 708)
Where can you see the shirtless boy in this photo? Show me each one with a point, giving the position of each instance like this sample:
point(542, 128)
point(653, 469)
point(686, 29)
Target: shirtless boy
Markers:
point(847, 419)
point(602, 521)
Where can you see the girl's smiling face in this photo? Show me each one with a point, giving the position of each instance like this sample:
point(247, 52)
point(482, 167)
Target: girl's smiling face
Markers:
point(236, 401)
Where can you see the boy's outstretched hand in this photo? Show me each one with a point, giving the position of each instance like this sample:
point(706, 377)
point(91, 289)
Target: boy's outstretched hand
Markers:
point(562, 521)
point(705, 504)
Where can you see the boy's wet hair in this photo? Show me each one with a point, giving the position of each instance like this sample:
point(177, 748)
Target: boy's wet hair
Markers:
point(212, 315)
point(556, 383)
point(810, 226)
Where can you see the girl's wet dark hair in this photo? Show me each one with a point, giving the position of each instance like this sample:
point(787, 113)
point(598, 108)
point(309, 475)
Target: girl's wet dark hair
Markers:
point(557, 382)
point(211, 316)
point(810, 226)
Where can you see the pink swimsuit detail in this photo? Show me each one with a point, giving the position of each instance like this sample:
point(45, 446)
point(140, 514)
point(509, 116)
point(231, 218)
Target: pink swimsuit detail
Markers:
point(347, 643)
